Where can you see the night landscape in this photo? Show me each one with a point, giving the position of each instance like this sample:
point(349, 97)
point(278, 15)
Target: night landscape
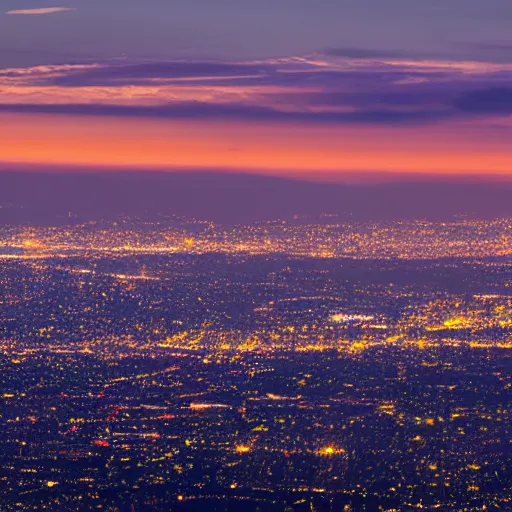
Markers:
point(256, 256)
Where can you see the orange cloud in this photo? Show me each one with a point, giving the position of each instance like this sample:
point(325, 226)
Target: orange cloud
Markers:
point(40, 11)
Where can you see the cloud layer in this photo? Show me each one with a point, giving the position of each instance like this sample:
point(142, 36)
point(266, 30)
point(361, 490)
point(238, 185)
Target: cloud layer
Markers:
point(316, 89)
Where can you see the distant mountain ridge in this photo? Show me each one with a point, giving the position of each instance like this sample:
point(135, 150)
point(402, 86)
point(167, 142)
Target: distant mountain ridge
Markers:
point(46, 198)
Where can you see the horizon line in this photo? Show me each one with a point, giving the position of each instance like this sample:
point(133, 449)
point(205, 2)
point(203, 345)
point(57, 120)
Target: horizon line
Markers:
point(321, 177)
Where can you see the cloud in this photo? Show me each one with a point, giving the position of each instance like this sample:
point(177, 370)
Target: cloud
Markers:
point(314, 89)
point(479, 52)
point(365, 53)
point(149, 71)
point(40, 11)
point(487, 101)
point(241, 112)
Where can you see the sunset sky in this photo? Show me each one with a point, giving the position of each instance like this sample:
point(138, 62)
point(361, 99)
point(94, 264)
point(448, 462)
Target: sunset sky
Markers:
point(295, 88)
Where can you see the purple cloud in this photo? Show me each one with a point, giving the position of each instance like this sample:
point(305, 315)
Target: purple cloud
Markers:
point(202, 110)
point(312, 89)
point(118, 74)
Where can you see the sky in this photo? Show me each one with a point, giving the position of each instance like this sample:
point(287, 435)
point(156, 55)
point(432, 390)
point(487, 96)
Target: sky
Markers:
point(318, 89)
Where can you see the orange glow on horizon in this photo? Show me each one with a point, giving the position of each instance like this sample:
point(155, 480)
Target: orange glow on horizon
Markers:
point(269, 149)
